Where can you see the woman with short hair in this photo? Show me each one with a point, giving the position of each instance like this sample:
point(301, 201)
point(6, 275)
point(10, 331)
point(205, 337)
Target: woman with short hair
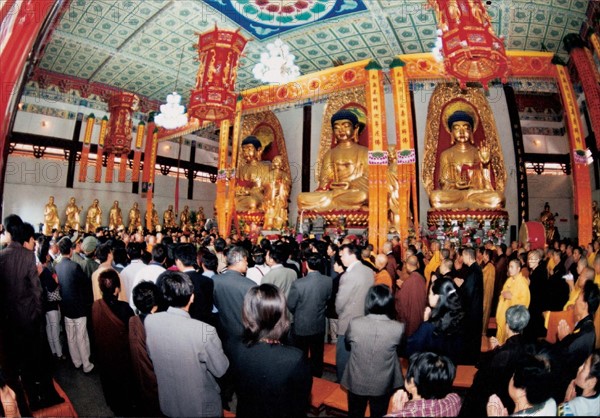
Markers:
point(274, 379)
point(373, 371)
point(428, 388)
point(587, 382)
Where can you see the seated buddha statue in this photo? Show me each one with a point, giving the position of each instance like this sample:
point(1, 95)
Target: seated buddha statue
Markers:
point(464, 171)
point(252, 177)
point(343, 181)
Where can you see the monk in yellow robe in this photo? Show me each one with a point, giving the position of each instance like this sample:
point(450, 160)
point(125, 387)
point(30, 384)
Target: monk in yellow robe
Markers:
point(489, 277)
point(434, 262)
point(514, 292)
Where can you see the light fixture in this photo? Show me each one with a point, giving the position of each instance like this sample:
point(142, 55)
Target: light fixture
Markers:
point(277, 65)
point(537, 142)
point(172, 114)
point(44, 123)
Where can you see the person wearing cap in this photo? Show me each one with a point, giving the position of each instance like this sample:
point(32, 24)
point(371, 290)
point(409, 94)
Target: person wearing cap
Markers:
point(252, 177)
point(86, 259)
point(77, 298)
point(464, 170)
point(343, 179)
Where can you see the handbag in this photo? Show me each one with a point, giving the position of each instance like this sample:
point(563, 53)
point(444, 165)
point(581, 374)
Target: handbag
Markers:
point(54, 296)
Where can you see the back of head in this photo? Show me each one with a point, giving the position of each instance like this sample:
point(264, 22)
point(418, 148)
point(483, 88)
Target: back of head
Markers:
point(176, 288)
point(186, 254)
point(387, 247)
point(109, 281)
point(11, 222)
point(209, 261)
point(379, 301)
point(532, 374)
point(134, 250)
point(65, 245)
point(42, 250)
point(517, 318)
point(23, 233)
point(146, 296)
point(103, 251)
point(432, 374)
point(279, 253)
point(220, 245)
point(314, 262)
point(120, 256)
point(445, 253)
point(236, 254)
point(159, 253)
point(264, 314)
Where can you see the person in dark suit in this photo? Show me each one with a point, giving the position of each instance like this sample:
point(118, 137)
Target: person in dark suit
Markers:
point(373, 371)
point(574, 346)
point(538, 281)
point(471, 293)
point(275, 380)
point(230, 289)
point(498, 366)
point(185, 257)
point(350, 300)
point(77, 299)
point(307, 300)
point(22, 342)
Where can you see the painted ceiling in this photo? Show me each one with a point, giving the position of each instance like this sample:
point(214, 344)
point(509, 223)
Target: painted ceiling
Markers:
point(146, 46)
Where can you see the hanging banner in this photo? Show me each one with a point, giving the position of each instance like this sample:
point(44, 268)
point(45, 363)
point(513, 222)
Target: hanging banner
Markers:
point(85, 150)
point(137, 154)
point(100, 154)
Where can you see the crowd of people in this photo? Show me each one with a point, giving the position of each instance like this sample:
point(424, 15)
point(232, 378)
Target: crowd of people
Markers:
point(181, 324)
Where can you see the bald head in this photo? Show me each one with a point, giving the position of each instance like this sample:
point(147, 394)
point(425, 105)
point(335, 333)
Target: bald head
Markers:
point(381, 261)
point(412, 263)
point(387, 247)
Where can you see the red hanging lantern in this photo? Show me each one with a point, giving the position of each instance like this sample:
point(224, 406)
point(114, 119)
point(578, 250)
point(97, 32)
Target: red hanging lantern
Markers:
point(472, 52)
point(121, 107)
point(214, 97)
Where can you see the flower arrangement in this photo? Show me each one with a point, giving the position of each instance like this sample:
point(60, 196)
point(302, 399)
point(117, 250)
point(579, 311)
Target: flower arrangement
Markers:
point(469, 233)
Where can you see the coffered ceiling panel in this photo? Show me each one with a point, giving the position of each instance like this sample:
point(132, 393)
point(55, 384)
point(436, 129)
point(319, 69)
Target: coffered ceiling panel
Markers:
point(146, 46)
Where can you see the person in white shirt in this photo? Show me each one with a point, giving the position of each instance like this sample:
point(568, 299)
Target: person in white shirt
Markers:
point(134, 251)
point(152, 270)
point(260, 268)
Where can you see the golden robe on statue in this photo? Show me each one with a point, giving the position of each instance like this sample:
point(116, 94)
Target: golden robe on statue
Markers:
point(343, 179)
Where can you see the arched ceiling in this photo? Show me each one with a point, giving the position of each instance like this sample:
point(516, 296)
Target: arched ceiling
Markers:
point(145, 46)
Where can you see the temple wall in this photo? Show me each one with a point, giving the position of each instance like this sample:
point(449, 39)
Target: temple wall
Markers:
point(558, 192)
point(30, 181)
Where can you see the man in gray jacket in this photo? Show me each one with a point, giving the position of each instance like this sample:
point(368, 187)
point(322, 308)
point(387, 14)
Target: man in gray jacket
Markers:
point(186, 353)
point(307, 301)
point(350, 299)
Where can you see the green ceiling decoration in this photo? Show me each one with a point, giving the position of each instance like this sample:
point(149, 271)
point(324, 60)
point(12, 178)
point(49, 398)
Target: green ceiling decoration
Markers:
point(137, 45)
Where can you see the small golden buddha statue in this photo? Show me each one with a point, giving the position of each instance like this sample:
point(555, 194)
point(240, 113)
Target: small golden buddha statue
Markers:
point(51, 219)
point(252, 176)
point(277, 194)
point(72, 212)
point(343, 179)
point(464, 171)
point(184, 218)
point(200, 218)
point(153, 219)
point(93, 218)
point(134, 218)
point(169, 218)
point(115, 217)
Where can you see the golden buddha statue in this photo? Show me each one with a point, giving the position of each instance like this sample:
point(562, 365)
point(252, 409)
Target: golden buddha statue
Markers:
point(115, 217)
point(343, 181)
point(252, 177)
point(277, 194)
point(200, 218)
point(184, 218)
point(546, 216)
point(134, 218)
point(464, 170)
point(169, 218)
point(72, 211)
point(93, 218)
point(153, 218)
point(51, 219)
